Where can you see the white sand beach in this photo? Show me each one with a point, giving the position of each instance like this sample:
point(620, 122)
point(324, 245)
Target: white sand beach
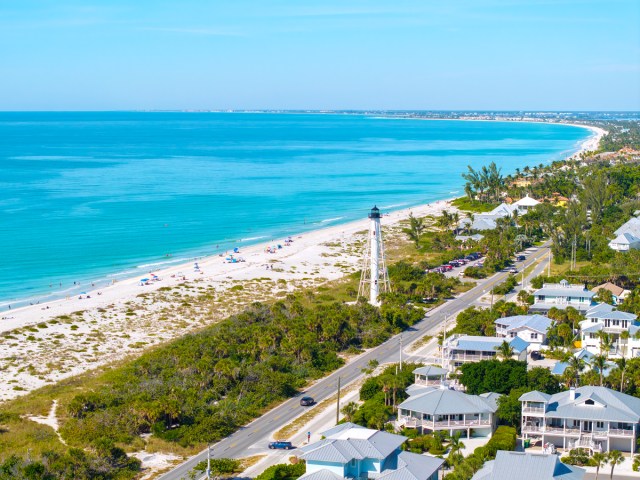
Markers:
point(44, 343)
point(592, 142)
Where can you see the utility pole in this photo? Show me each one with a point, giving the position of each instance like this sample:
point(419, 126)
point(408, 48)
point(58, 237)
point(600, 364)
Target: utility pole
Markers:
point(549, 264)
point(338, 404)
point(401, 352)
point(208, 462)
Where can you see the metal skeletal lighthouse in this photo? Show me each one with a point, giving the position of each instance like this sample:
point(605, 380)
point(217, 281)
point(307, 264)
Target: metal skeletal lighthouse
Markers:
point(374, 269)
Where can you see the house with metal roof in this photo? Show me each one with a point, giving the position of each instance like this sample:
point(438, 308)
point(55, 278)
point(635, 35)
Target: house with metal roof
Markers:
point(441, 408)
point(459, 349)
point(527, 466)
point(531, 328)
point(606, 318)
point(596, 418)
point(627, 236)
point(352, 451)
point(525, 204)
point(562, 295)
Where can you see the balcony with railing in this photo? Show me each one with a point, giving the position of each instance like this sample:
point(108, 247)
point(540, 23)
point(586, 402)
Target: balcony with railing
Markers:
point(534, 410)
point(433, 381)
point(412, 422)
point(620, 432)
point(464, 357)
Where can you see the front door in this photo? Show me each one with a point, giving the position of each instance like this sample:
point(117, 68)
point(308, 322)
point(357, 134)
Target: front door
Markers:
point(587, 426)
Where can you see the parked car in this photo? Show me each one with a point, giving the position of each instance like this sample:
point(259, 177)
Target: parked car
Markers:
point(536, 355)
point(279, 445)
point(513, 270)
point(307, 401)
point(521, 258)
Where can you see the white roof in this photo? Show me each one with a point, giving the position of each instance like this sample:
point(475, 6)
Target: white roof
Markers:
point(527, 201)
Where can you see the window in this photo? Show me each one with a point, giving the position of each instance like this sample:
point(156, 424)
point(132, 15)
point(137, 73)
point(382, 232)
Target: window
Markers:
point(599, 424)
point(576, 423)
point(589, 402)
point(541, 298)
point(353, 462)
point(592, 336)
point(534, 336)
point(512, 334)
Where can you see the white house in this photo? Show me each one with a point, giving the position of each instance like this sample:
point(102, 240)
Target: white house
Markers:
point(604, 317)
point(562, 295)
point(527, 466)
point(595, 418)
point(627, 236)
point(354, 452)
point(440, 408)
point(525, 204)
point(459, 349)
point(531, 328)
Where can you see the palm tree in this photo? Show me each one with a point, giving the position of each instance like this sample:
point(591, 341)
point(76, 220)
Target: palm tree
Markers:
point(605, 342)
point(614, 458)
point(600, 460)
point(505, 351)
point(577, 365)
point(624, 336)
point(455, 444)
point(600, 362)
point(471, 217)
point(622, 366)
point(416, 227)
point(349, 410)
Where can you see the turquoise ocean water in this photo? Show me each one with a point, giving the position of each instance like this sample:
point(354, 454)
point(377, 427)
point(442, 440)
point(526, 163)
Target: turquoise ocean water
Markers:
point(88, 197)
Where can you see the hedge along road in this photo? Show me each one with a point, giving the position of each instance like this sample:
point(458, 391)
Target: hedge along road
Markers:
point(258, 432)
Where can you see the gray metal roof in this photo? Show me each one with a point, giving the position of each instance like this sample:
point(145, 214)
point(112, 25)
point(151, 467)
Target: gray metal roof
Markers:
point(415, 389)
point(441, 401)
point(352, 442)
point(430, 371)
point(412, 466)
point(491, 398)
point(488, 344)
point(565, 292)
point(598, 309)
point(535, 396)
point(605, 311)
point(527, 466)
point(632, 226)
point(322, 474)
point(538, 323)
point(617, 406)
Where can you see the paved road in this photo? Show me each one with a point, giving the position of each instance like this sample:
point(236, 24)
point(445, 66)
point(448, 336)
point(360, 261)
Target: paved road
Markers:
point(238, 444)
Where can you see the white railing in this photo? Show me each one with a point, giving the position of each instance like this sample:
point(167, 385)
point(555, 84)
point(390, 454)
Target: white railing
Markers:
point(470, 358)
point(531, 428)
point(620, 432)
point(428, 382)
point(533, 410)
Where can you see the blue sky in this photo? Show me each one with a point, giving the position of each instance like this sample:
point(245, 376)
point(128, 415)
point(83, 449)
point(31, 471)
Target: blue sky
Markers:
point(333, 54)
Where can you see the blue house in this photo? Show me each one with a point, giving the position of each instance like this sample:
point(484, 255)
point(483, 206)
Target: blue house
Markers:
point(352, 451)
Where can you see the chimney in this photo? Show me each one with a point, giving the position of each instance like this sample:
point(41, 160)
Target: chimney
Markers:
point(572, 394)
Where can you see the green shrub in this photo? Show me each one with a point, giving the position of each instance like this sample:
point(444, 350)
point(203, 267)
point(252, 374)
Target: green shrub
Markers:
point(283, 472)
